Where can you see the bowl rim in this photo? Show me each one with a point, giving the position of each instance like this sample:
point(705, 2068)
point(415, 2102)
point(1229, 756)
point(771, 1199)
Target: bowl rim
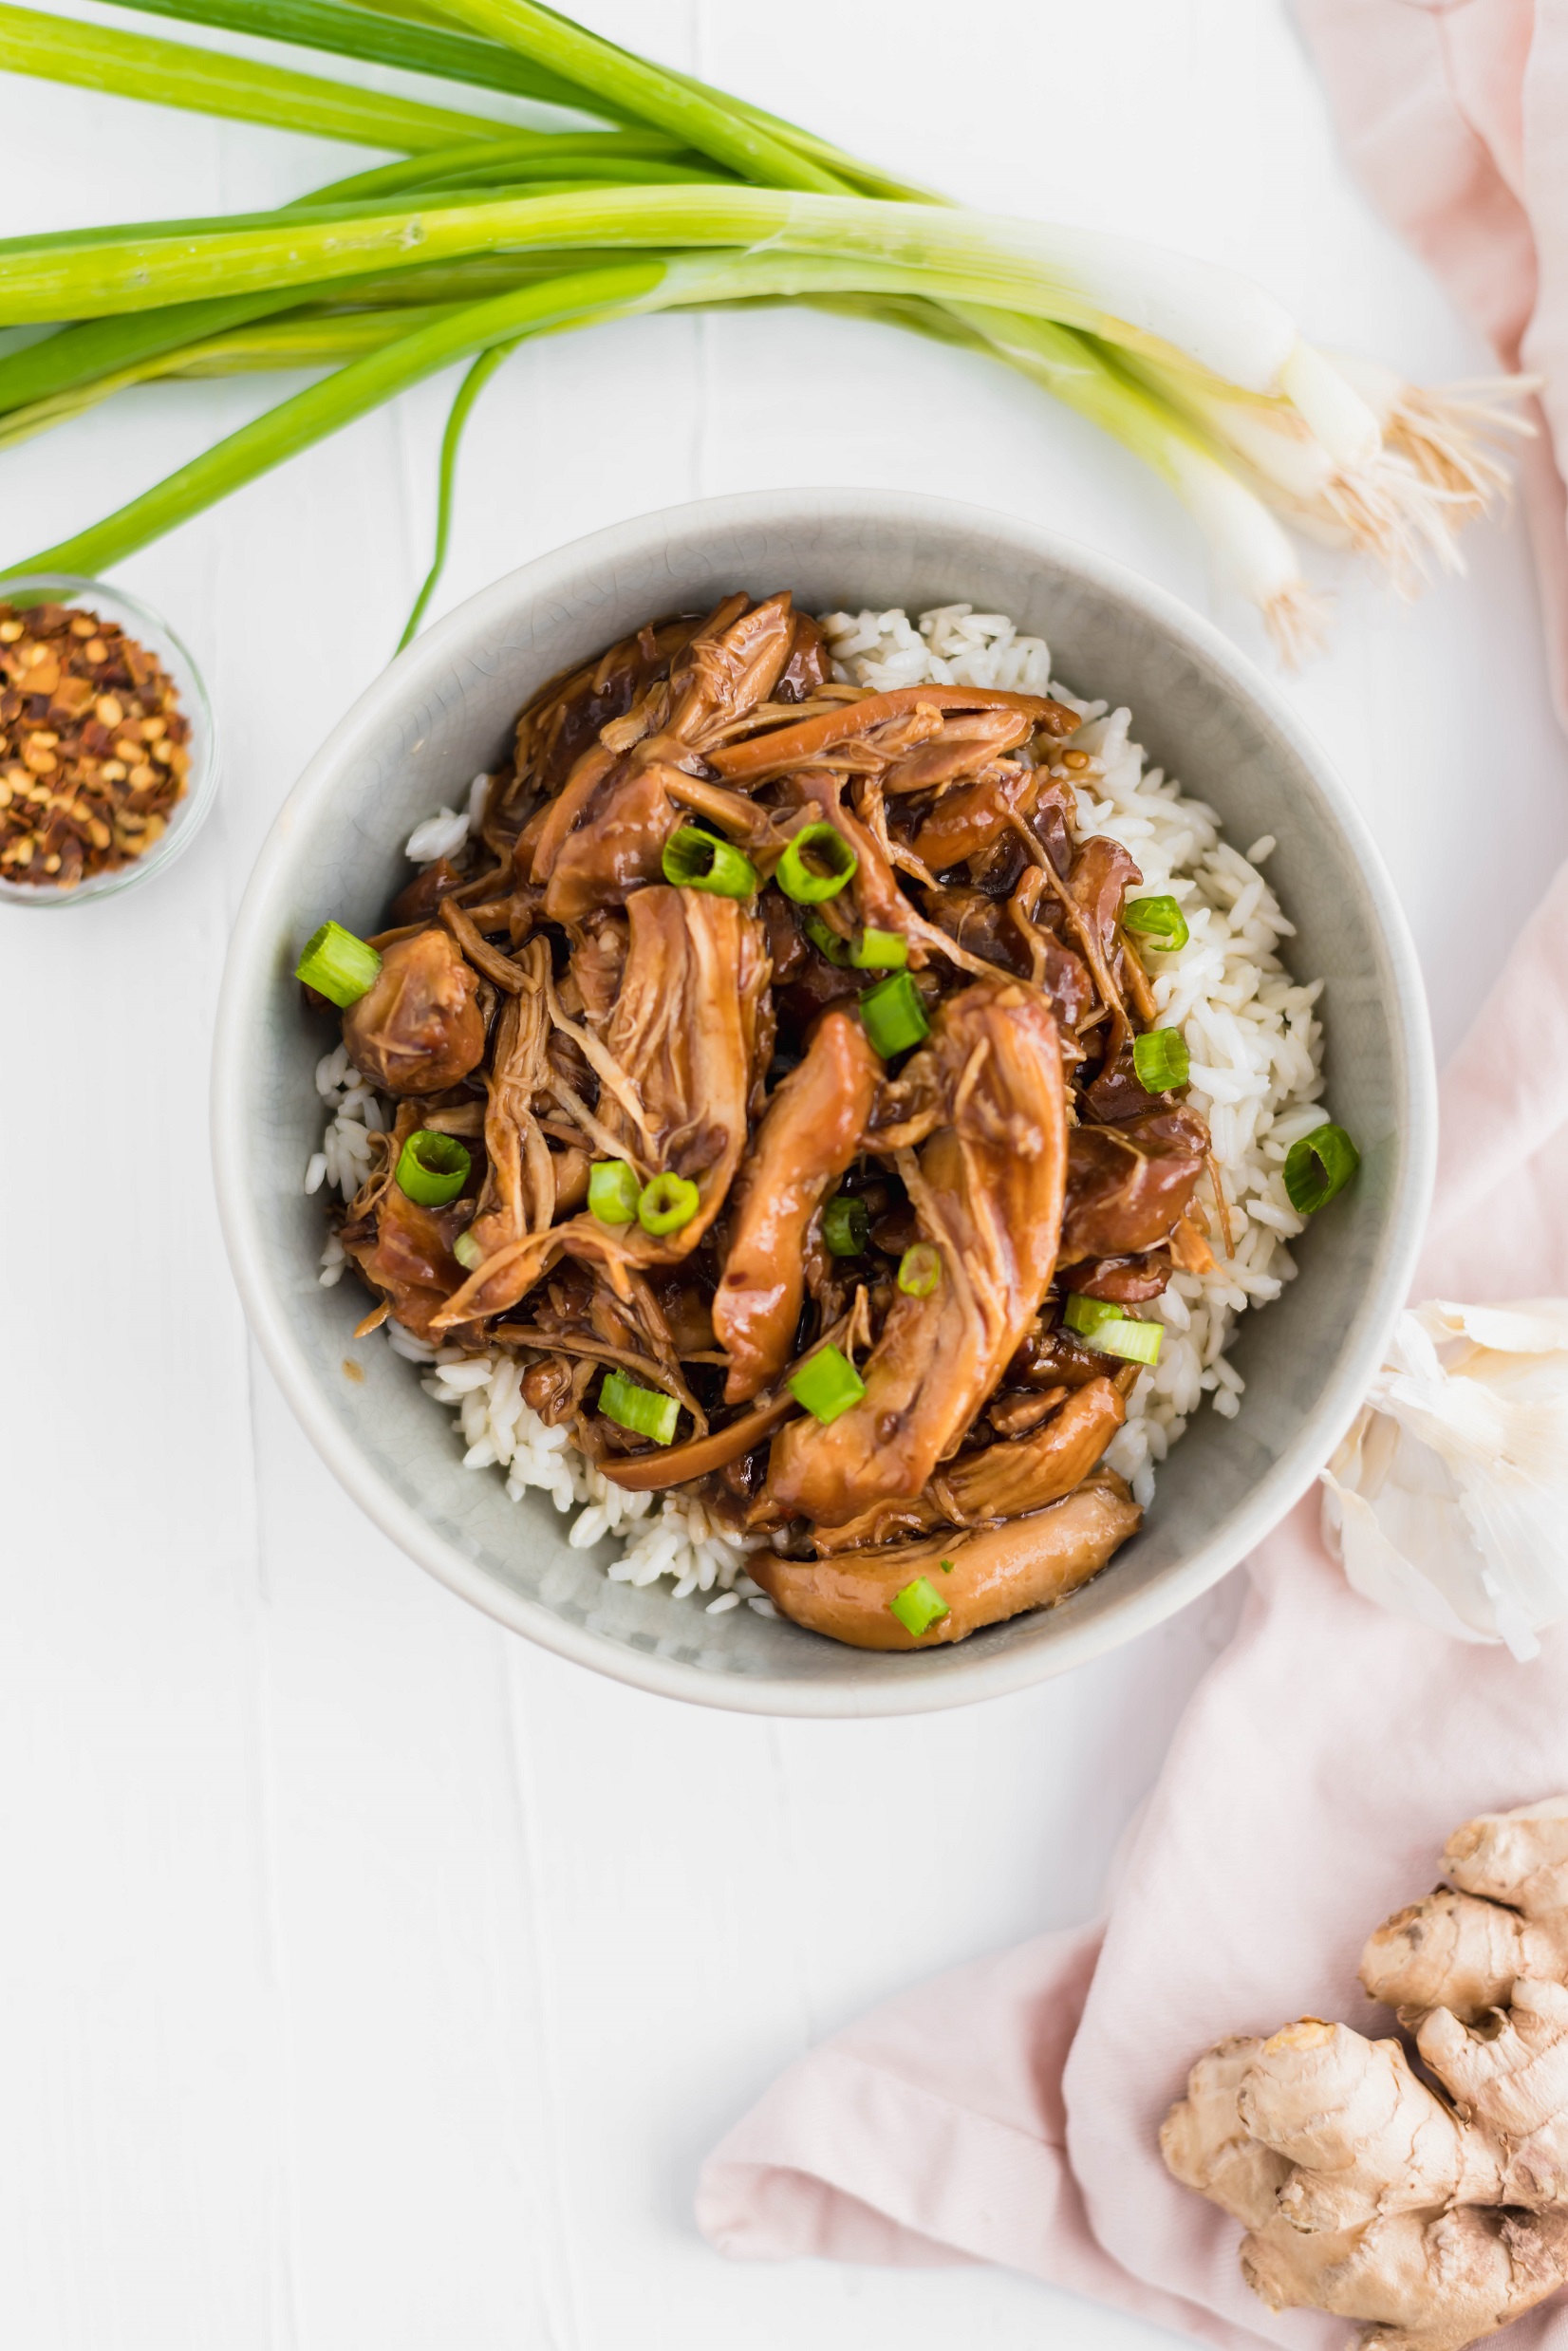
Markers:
point(970, 1675)
point(194, 804)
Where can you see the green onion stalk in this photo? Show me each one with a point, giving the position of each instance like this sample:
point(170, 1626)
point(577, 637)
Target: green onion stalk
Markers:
point(351, 392)
point(1220, 320)
point(300, 341)
point(76, 355)
point(1073, 277)
point(867, 247)
point(416, 42)
point(468, 392)
point(487, 233)
point(613, 289)
point(170, 73)
point(1438, 441)
point(703, 117)
point(374, 40)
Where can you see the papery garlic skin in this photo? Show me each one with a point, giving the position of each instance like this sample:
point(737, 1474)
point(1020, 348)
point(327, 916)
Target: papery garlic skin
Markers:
point(1448, 1500)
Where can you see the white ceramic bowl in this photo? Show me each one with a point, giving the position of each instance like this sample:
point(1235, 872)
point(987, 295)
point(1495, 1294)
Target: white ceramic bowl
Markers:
point(444, 710)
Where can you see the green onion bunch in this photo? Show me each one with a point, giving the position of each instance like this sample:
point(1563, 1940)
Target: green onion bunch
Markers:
point(652, 191)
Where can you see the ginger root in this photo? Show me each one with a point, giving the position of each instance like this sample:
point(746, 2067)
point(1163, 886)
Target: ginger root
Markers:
point(1434, 2215)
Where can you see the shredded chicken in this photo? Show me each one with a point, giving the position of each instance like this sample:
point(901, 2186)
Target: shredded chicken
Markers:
point(987, 1194)
point(812, 1130)
point(1000, 1481)
point(518, 1195)
point(690, 1164)
point(418, 1027)
point(775, 751)
point(985, 1576)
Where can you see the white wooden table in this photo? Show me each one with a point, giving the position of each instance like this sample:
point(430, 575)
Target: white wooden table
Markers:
point(372, 1982)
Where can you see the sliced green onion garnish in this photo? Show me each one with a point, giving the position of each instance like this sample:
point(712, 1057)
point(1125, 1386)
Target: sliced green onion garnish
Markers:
point(826, 942)
point(667, 1204)
point(697, 860)
point(612, 1191)
point(1161, 1058)
point(894, 1015)
point(432, 1168)
point(646, 1412)
point(918, 1606)
point(1319, 1166)
point(468, 1252)
point(846, 1226)
point(1158, 919)
point(1102, 1325)
point(1135, 1342)
point(827, 1385)
point(1085, 1315)
point(834, 863)
point(338, 965)
point(880, 950)
point(920, 1270)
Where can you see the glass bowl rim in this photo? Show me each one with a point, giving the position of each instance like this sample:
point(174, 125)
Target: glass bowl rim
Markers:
point(152, 629)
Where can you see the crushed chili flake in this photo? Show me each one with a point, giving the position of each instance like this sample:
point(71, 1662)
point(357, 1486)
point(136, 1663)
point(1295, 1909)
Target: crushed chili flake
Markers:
point(94, 748)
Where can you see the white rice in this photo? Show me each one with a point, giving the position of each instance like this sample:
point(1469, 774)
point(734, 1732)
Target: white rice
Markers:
point(443, 834)
point(499, 1430)
point(344, 1160)
point(1256, 1076)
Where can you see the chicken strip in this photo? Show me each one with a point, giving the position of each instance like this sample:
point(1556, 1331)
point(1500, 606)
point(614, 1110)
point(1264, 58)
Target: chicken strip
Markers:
point(775, 753)
point(809, 664)
point(1129, 1184)
point(810, 1133)
point(686, 1021)
point(967, 743)
point(405, 1255)
point(987, 1191)
point(995, 1573)
point(566, 714)
point(1003, 1481)
point(519, 1194)
point(617, 849)
point(725, 672)
point(967, 821)
point(730, 665)
point(418, 1028)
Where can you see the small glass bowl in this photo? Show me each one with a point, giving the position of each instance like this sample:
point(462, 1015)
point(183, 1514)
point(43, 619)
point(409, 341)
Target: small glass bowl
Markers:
point(191, 809)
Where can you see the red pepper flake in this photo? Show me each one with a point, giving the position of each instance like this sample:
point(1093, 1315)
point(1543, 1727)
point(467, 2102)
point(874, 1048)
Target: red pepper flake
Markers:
point(94, 748)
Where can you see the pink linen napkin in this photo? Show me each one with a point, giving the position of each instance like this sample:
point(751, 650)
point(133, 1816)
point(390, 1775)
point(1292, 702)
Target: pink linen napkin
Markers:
point(1454, 116)
point(1008, 2112)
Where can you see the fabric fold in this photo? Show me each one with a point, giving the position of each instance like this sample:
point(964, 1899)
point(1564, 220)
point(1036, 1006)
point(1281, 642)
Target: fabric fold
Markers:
point(1455, 120)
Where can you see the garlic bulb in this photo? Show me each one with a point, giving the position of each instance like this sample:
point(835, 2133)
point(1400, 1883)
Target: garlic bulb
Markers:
point(1448, 1500)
